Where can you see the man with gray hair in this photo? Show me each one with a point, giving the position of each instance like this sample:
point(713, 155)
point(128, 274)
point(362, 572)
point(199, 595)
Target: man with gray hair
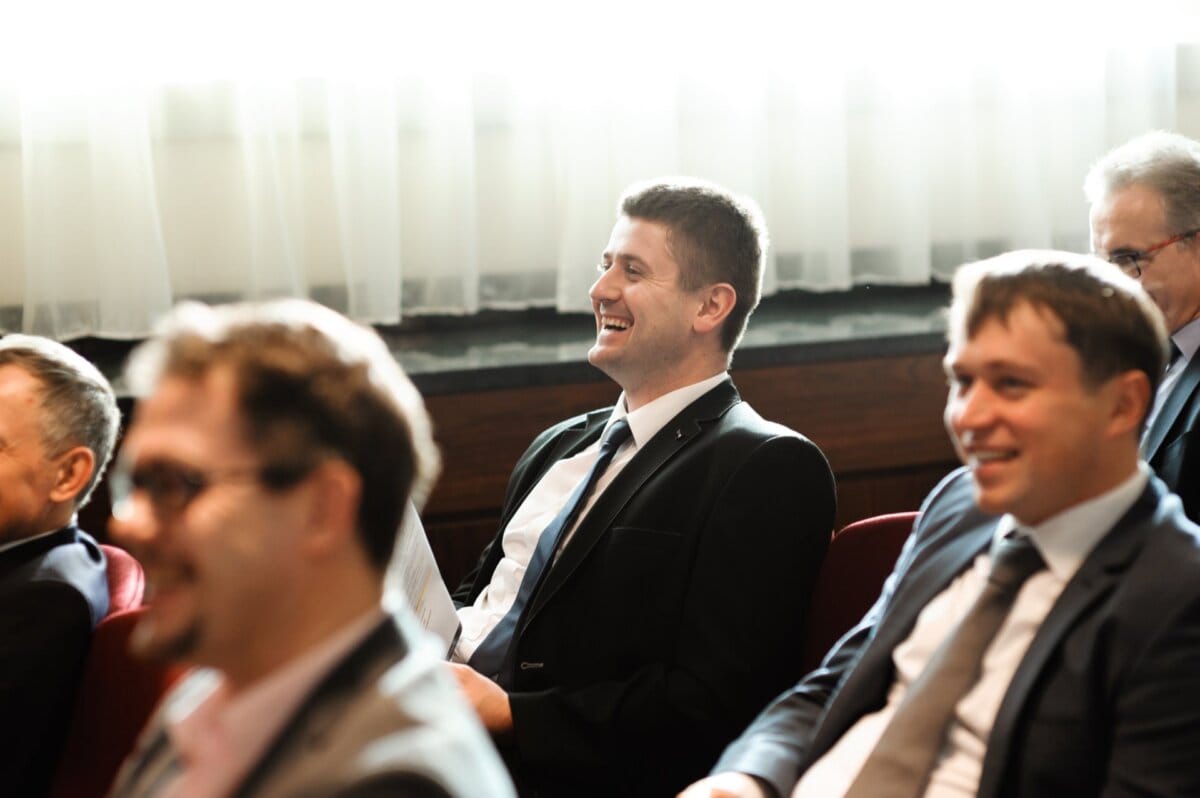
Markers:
point(1145, 216)
point(272, 454)
point(58, 425)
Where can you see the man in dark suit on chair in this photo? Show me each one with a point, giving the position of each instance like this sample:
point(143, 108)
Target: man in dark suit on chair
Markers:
point(1040, 632)
point(1145, 217)
point(58, 425)
point(648, 588)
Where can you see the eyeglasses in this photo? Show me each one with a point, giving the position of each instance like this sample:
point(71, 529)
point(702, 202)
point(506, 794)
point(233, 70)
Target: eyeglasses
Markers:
point(171, 486)
point(1130, 261)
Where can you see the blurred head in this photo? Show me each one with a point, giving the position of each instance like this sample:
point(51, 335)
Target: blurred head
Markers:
point(1052, 363)
point(273, 445)
point(1145, 216)
point(678, 279)
point(58, 425)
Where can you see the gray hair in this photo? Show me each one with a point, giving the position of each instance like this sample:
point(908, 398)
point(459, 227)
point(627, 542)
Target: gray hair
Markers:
point(78, 406)
point(1166, 162)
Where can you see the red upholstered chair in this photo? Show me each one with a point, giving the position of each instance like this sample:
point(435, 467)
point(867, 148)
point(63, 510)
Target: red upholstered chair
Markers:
point(126, 579)
point(860, 557)
point(116, 697)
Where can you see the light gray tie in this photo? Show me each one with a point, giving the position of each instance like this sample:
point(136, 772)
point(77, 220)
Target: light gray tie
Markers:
point(902, 760)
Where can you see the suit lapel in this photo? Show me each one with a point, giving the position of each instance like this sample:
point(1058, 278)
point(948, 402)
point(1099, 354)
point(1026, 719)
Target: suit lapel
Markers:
point(1099, 575)
point(308, 727)
point(865, 688)
point(1178, 399)
point(679, 433)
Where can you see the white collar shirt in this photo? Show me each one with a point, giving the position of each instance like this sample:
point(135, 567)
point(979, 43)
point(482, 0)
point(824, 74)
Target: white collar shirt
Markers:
point(547, 497)
point(1064, 541)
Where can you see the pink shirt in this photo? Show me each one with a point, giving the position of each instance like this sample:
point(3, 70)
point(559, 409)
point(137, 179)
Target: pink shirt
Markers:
point(220, 736)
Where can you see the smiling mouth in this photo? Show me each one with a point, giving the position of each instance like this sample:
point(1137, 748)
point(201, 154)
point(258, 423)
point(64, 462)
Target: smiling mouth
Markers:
point(979, 458)
point(613, 323)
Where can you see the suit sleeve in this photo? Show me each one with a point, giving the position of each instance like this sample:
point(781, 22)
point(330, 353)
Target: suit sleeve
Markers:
point(738, 639)
point(45, 630)
point(776, 746)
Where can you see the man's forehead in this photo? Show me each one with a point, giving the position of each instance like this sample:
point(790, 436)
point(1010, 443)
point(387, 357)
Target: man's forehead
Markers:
point(204, 405)
point(1024, 319)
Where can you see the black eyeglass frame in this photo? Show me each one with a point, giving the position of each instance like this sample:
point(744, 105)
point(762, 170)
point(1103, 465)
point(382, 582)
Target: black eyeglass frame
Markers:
point(172, 486)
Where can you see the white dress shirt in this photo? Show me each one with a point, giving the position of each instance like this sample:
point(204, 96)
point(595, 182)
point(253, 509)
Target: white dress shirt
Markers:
point(1064, 542)
point(550, 494)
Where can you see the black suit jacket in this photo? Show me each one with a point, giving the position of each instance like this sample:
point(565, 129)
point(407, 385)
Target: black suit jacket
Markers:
point(53, 592)
point(676, 610)
point(1106, 700)
point(1170, 445)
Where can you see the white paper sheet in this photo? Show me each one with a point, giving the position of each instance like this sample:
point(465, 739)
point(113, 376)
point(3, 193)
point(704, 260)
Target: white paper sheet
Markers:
point(413, 580)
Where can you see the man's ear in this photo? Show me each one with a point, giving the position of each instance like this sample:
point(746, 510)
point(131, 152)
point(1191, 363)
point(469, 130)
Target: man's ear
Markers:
point(74, 469)
point(717, 302)
point(1131, 402)
point(334, 490)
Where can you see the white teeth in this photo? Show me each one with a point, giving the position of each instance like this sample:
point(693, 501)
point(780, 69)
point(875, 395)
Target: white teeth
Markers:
point(609, 321)
point(989, 457)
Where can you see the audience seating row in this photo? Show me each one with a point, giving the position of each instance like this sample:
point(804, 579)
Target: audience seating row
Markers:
point(118, 692)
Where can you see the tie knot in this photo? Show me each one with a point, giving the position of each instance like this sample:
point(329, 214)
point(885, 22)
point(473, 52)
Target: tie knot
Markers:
point(1015, 559)
point(618, 432)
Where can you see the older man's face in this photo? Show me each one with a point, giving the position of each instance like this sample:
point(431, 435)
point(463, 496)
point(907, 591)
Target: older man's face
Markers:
point(1133, 219)
point(27, 473)
point(218, 546)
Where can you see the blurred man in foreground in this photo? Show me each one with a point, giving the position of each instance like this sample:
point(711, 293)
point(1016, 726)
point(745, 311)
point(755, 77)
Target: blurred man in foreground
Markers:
point(273, 451)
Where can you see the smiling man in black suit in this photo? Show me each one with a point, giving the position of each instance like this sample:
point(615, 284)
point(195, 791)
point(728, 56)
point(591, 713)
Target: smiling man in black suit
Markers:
point(1040, 632)
point(648, 587)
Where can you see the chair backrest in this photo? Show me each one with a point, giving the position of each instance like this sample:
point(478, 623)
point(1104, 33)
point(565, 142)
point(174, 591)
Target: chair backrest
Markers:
point(126, 579)
point(860, 557)
point(117, 695)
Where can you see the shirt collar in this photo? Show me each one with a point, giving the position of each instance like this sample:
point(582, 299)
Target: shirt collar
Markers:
point(1065, 540)
point(12, 544)
point(647, 420)
point(1187, 338)
point(248, 720)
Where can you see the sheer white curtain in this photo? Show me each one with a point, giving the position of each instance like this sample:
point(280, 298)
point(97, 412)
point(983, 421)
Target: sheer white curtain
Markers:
point(406, 161)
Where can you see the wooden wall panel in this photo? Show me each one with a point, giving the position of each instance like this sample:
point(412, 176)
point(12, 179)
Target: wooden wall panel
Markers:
point(877, 420)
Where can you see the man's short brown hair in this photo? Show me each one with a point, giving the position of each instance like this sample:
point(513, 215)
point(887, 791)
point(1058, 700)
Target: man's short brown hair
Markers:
point(713, 236)
point(1108, 319)
point(311, 385)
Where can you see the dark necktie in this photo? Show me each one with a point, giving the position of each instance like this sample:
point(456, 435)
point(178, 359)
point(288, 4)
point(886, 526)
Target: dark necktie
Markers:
point(902, 760)
point(489, 657)
point(1176, 354)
